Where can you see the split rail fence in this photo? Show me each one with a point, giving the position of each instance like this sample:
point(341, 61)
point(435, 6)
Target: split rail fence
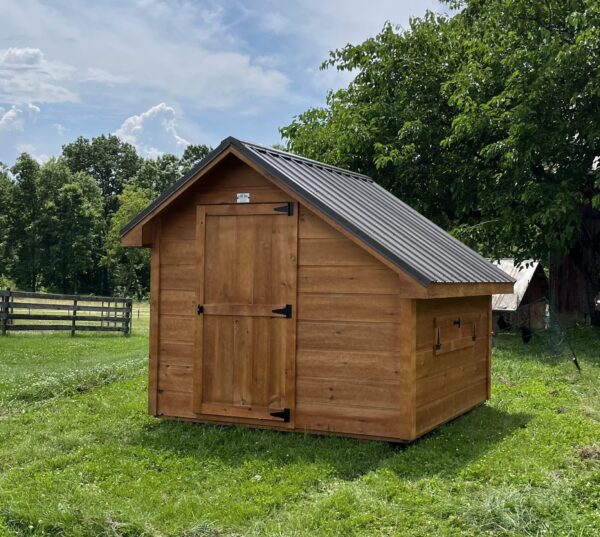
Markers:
point(23, 311)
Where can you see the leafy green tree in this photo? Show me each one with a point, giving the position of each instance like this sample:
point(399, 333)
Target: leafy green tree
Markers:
point(71, 223)
point(156, 175)
point(129, 267)
point(6, 187)
point(192, 155)
point(24, 241)
point(108, 160)
point(487, 122)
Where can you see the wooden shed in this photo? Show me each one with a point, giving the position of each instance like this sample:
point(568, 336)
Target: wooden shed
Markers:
point(294, 295)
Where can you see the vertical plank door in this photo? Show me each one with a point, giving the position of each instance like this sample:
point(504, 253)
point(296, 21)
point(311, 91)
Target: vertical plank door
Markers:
point(246, 328)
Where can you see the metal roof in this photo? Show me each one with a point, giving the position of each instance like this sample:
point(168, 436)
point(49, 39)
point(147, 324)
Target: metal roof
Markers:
point(523, 274)
point(366, 210)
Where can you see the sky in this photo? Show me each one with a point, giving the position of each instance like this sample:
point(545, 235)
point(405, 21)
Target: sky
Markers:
point(161, 74)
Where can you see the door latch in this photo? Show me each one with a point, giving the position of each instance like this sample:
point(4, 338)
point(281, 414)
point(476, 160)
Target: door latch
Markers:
point(200, 309)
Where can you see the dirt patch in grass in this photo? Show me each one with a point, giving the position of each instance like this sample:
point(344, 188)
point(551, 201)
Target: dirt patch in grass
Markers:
point(589, 453)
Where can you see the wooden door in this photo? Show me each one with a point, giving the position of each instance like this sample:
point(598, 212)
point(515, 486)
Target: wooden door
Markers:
point(246, 323)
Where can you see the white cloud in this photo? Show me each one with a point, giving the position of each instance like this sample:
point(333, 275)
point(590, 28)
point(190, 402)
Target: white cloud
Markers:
point(15, 117)
point(25, 76)
point(179, 48)
point(30, 149)
point(153, 132)
point(60, 129)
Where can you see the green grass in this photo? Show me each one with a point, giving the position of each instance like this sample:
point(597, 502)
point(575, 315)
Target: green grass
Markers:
point(525, 464)
point(38, 366)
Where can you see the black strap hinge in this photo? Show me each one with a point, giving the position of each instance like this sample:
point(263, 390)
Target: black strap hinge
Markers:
point(287, 208)
point(286, 310)
point(200, 309)
point(284, 414)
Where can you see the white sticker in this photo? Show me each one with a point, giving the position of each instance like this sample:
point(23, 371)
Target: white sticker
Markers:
point(243, 197)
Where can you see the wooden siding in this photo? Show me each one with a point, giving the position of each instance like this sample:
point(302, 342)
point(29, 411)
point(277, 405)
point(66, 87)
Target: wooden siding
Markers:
point(349, 374)
point(454, 377)
point(174, 282)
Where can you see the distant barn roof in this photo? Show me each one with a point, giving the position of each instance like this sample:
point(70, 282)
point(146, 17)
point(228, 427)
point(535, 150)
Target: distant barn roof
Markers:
point(366, 210)
point(523, 274)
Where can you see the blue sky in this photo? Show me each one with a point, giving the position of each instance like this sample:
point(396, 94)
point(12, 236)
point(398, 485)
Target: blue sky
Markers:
point(164, 73)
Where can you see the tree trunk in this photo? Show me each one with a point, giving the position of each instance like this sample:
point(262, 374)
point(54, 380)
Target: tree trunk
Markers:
point(575, 277)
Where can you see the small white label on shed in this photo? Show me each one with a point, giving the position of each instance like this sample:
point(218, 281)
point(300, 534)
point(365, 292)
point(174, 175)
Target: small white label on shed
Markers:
point(243, 197)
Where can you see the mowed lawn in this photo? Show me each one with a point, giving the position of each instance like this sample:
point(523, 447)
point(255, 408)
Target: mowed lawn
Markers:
point(89, 461)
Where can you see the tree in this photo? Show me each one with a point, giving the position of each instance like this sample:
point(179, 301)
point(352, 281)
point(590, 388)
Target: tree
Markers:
point(129, 267)
point(72, 226)
point(487, 122)
point(156, 175)
point(24, 241)
point(5, 220)
point(192, 155)
point(108, 160)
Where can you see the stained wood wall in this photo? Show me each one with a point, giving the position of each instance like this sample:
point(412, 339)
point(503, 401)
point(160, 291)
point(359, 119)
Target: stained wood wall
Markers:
point(349, 366)
point(456, 377)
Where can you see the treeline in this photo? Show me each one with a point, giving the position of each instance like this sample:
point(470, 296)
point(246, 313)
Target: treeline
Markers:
point(60, 221)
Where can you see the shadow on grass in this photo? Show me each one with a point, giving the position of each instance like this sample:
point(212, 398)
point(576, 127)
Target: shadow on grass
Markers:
point(444, 451)
point(447, 450)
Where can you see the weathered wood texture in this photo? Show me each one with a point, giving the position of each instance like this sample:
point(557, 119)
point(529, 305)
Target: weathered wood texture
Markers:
point(82, 313)
point(452, 358)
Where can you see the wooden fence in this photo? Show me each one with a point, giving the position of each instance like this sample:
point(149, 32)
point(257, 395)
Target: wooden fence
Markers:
point(20, 310)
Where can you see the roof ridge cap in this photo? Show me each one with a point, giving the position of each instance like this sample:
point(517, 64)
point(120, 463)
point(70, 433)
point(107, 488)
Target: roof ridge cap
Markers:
point(305, 160)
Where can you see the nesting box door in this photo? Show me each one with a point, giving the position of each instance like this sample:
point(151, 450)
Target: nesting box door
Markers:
point(245, 329)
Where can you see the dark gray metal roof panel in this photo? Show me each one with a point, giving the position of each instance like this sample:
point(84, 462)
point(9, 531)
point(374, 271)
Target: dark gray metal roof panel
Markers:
point(368, 211)
point(387, 224)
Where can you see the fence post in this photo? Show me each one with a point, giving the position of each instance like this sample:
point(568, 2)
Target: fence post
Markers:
point(127, 323)
point(74, 316)
point(4, 310)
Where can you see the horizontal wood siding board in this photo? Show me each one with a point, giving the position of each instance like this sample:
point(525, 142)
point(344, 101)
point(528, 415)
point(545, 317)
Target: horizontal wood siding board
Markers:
point(429, 364)
point(178, 328)
point(365, 365)
point(177, 276)
point(310, 226)
point(174, 352)
point(451, 406)
point(353, 280)
point(350, 393)
point(355, 336)
point(314, 416)
point(257, 195)
point(444, 383)
point(178, 302)
point(177, 252)
point(174, 377)
point(179, 224)
point(347, 307)
point(175, 404)
point(333, 252)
